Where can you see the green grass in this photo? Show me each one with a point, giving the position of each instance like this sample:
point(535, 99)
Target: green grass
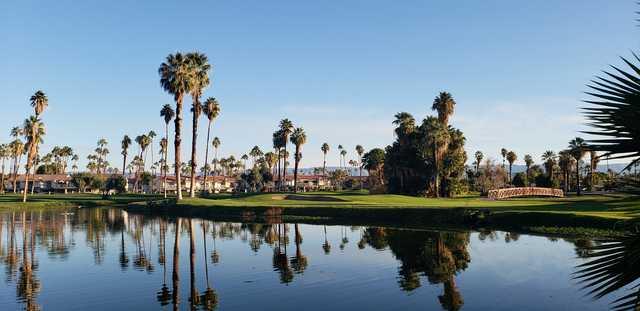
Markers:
point(613, 206)
point(69, 200)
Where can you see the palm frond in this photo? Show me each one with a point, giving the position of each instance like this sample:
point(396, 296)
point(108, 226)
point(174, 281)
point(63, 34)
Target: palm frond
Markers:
point(615, 112)
point(615, 266)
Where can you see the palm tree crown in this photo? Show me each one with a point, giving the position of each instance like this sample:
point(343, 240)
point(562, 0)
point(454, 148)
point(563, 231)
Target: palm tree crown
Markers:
point(444, 105)
point(39, 102)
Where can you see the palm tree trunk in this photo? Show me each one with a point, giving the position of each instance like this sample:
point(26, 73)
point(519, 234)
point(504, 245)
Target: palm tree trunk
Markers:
point(295, 170)
point(215, 163)
point(176, 266)
point(2, 177)
point(165, 166)
point(284, 162)
point(177, 142)
point(324, 165)
point(194, 140)
point(206, 159)
point(578, 191)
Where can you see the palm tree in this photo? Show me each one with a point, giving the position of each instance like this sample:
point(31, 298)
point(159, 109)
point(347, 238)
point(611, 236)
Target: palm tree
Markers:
point(577, 149)
point(167, 113)
point(216, 145)
point(125, 143)
point(593, 166)
point(340, 149)
point(325, 149)
point(478, 156)
point(511, 158)
point(4, 154)
point(270, 159)
point(444, 104)
point(17, 150)
point(298, 138)
point(211, 110)
point(528, 161)
point(198, 80)
point(286, 127)
point(164, 145)
point(39, 102)
point(503, 152)
point(565, 161)
point(360, 152)
point(255, 153)
point(244, 159)
point(549, 158)
point(438, 138)
point(143, 142)
point(174, 79)
point(151, 135)
point(102, 153)
point(33, 131)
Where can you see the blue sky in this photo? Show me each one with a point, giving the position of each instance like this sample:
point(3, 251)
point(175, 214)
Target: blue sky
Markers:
point(340, 69)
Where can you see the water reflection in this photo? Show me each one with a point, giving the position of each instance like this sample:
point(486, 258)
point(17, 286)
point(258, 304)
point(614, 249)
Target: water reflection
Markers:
point(140, 244)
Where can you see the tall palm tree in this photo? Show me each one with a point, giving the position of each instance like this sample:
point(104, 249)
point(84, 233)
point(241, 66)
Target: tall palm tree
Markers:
point(503, 152)
point(33, 131)
point(167, 113)
point(565, 161)
point(593, 167)
point(343, 154)
point(325, 149)
point(151, 135)
point(438, 138)
point(17, 150)
point(270, 159)
point(549, 158)
point(577, 149)
point(164, 145)
point(255, 153)
point(360, 152)
point(286, 127)
point(528, 161)
point(298, 138)
point(4, 154)
point(478, 156)
point(174, 79)
point(444, 104)
point(125, 143)
point(199, 80)
point(340, 148)
point(511, 158)
point(211, 110)
point(216, 145)
point(39, 102)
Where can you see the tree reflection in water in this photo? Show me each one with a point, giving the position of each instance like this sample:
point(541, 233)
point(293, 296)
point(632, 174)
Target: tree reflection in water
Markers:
point(436, 257)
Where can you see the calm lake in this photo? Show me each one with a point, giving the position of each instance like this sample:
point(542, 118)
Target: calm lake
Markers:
point(107, 259)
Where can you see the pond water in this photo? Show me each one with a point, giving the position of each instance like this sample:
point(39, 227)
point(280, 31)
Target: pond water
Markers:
point(107, 259)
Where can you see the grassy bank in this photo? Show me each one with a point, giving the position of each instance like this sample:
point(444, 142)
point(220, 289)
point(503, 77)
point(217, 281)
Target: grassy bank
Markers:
point(70, 200)
point(612, 206)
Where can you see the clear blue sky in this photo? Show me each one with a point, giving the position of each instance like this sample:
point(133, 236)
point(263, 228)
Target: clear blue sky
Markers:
point(340, 69)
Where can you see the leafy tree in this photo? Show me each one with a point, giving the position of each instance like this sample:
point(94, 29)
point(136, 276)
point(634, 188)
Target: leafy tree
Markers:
point(117, 183)
point(373, 162)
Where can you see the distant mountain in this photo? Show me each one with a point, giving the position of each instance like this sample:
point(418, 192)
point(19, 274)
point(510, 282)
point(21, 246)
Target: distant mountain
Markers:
point(602, 167)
